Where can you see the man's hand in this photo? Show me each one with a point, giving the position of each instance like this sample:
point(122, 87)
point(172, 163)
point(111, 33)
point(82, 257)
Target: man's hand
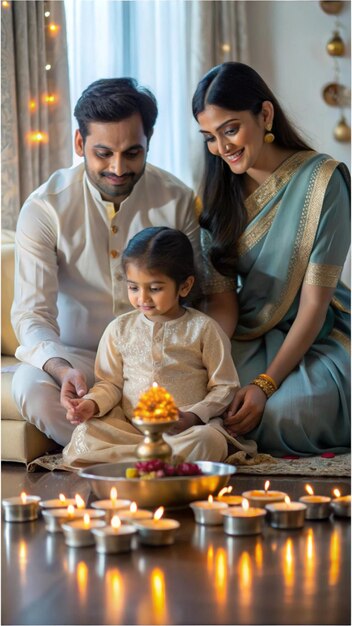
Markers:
point(81, 410)
point(186, 421)
point(73, 386)
point(246, 410)
point(72, 382)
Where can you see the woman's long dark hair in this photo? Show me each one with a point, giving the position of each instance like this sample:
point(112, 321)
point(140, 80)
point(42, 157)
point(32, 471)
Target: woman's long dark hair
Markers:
point(235, 87)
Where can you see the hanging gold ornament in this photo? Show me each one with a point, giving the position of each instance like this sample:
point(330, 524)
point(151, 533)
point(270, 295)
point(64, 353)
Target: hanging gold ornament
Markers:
point(342, 131)
point(336, 47)
point(333, 7)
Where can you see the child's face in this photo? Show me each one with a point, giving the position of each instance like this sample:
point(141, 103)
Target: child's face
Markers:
point(155, 294)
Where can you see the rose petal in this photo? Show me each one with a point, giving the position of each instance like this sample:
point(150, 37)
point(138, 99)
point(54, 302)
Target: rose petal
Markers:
point(327, 455)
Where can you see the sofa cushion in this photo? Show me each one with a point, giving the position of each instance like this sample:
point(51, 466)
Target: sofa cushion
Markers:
point(9, 342)
point(22, 442)
point(9, 409)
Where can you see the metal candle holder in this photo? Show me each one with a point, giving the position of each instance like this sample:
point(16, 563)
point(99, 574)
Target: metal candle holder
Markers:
point(318, 507)
point(153, 445)
point(17, 510)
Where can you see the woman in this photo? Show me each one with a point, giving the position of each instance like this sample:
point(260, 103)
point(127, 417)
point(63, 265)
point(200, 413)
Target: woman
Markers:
point(276, 223)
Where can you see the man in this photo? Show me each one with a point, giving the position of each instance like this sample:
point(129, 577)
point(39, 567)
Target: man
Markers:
point(70, 235)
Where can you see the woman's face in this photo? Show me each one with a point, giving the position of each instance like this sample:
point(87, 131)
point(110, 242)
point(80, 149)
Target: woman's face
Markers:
point(236, 136)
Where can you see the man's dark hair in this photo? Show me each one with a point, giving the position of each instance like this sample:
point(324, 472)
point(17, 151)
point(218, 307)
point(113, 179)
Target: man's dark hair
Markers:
point(113, 100)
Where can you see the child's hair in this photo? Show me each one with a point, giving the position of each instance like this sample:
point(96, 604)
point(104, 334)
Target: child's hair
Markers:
point(162, 249)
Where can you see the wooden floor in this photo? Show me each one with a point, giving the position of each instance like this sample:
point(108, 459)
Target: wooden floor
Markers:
point(206, 577)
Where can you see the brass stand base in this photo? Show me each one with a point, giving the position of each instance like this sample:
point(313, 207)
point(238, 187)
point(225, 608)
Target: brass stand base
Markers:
point(153, 445)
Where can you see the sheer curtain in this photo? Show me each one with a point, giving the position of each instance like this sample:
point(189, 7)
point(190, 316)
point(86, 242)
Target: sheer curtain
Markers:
point(166, 45)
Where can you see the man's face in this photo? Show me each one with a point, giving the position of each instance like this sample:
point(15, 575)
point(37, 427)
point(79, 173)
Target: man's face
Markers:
point(115, 155)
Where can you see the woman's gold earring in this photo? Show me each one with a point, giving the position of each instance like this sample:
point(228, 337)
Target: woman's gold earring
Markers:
point(269, 137)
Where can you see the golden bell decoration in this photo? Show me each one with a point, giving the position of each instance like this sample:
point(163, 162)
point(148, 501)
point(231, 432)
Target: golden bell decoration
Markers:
point(332, 7)
point(335, 47)
point(342, 131)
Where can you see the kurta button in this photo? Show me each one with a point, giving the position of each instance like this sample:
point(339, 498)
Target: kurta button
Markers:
point(114, 254)
point(114, 229)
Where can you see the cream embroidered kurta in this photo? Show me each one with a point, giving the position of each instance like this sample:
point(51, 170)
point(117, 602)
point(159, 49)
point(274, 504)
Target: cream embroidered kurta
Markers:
point(189, 356)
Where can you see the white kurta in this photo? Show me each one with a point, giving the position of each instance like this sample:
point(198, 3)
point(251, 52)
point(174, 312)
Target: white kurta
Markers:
point(189, 356)
point(68, 280)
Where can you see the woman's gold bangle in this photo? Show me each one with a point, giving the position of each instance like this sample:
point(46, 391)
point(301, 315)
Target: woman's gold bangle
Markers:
point(265, 385)
point(268, 378)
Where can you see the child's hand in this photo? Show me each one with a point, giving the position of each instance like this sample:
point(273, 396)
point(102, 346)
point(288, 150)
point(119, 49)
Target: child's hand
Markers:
point(187, 420)
point(81, 410)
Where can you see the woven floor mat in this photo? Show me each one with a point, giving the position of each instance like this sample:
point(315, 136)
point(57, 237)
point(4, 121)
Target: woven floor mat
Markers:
point(339, 465)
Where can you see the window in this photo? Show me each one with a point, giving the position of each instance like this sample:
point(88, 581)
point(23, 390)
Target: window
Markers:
point(144, 39)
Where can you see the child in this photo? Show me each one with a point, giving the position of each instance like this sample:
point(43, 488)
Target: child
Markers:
point(180, 348)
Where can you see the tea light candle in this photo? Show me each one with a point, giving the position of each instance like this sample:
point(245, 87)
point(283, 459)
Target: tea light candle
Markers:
point(54, 518)
point(341, 505)
point(243, 520)
point(157, 531)
point(115, 537)
point(134, 514)
point(112, 506)
point(79, 532)
point(262, 497)
point(208, 512)
point(230, 499)
point(318, 507)
point(21, 508)
point(57, 503)
point(287, 514)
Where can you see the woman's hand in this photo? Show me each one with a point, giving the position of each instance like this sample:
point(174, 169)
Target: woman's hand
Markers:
point(245, 411)
point(186, 420)
point(81, 410)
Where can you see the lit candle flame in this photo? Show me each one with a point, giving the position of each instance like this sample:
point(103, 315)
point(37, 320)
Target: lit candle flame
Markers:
point(70, 510)
point(267, 485)
point(32, 105)
point(158, 513)
point(115, 522)
point(287, 499)
point(62, 497)
point(80, 504)
point(113, 495)
point(245, 504)
point(337, 493)
point(23, 497)
point(133, 507)
point(224, 490)
point(309, 490)
point(86, 520)
point(210, 499)
point(155, 385)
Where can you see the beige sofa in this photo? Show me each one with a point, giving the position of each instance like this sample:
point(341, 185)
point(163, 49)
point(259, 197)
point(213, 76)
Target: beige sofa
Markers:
point(20, 441)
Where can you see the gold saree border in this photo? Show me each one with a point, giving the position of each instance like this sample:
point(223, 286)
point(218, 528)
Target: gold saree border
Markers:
point(336, 304)
point(255, 232)
point(271, 314)
point(278, 179)
point(341, 338)
point(322, 274)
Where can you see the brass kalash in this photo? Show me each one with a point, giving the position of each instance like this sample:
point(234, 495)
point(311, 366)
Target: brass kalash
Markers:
point(154, 414)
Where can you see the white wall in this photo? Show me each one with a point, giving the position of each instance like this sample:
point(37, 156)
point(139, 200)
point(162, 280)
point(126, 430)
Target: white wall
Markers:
point(287, 46)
